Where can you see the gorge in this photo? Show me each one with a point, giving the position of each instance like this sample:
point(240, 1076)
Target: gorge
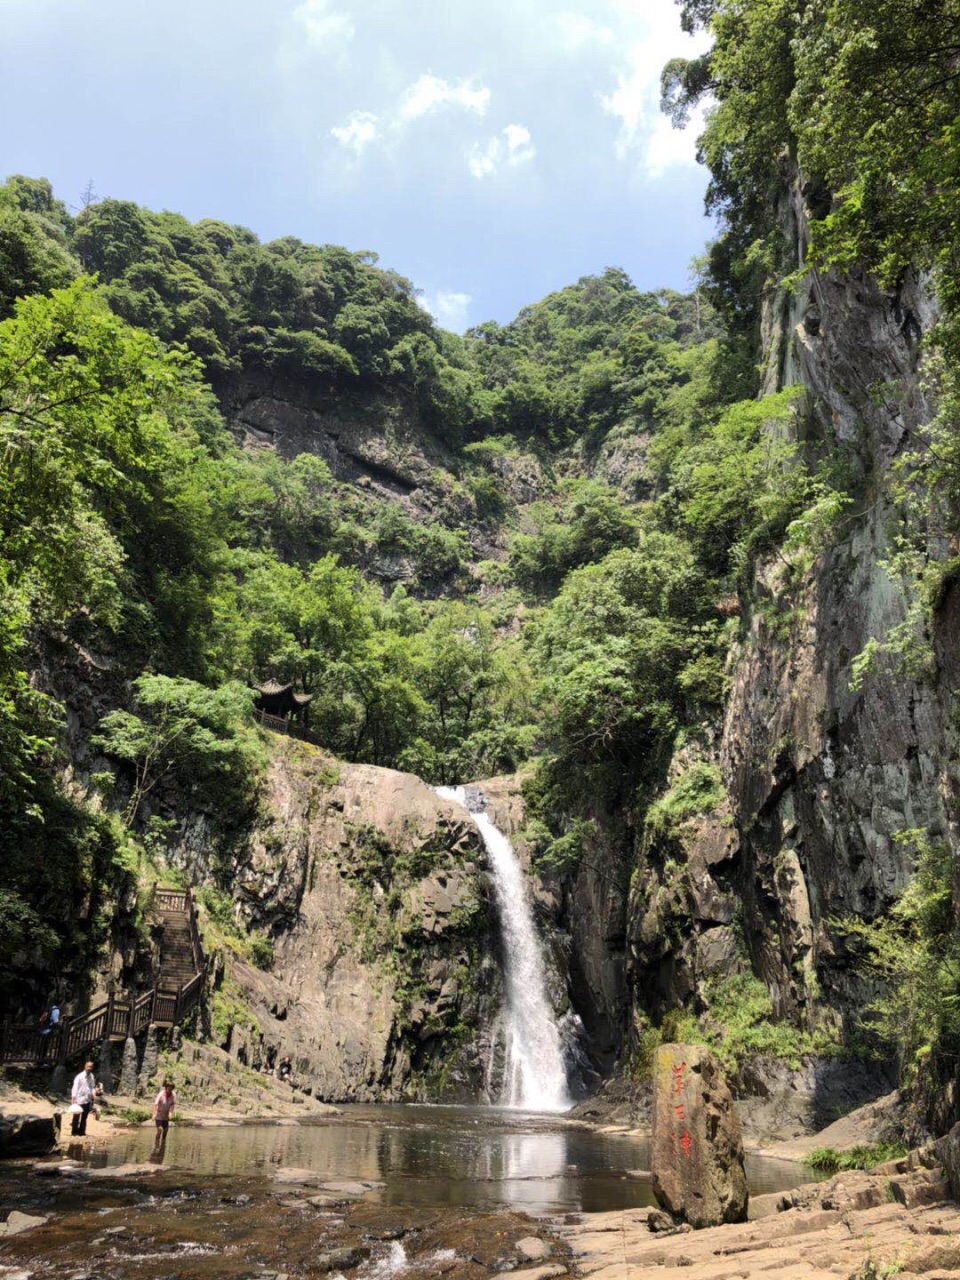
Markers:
point(670, 579)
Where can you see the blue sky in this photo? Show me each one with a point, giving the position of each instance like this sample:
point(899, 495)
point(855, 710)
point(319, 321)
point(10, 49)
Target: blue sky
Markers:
point(490, 150)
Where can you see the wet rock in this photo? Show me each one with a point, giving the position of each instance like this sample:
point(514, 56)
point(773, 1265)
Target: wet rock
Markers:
point(18, 1222)
point(140, 1170)
point(55, 1168)
point(306, 1177)
point(26, 1135)
point(696, 1150)
point(338, 1260)
point(533, 1248)
point(541, 1273)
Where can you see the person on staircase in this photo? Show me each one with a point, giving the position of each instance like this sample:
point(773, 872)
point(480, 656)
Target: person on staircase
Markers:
point(82, 1095)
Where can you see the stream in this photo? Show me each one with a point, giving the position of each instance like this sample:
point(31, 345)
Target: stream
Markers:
point(450, 1190)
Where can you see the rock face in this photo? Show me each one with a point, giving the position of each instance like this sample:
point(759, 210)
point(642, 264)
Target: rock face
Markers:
point(696, 1151)
point(385, 948)
point(819, 776)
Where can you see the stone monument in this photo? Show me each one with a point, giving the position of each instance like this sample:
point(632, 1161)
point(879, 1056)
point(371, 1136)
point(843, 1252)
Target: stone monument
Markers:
point(697, 1151)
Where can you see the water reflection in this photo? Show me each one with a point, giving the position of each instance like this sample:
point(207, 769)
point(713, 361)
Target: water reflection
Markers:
point(443, 1156)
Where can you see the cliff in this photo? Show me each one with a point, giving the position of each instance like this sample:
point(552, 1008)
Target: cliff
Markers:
point(819, 773)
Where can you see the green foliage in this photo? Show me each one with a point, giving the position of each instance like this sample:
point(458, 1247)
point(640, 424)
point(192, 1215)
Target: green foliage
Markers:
point(610, 652)
point(33, 245)
point(829, 1160)
point(914, 950)
point(200, 739)
point(221, 928)
point(592, 522)
point(738, 485)
point(698, 790)
point(561, 854)
point(228, 1010)
point(131, 1115)
point(739, 1024)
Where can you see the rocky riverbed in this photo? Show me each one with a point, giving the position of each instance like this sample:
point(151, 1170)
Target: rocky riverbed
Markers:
point(895, 1220)
point(367, 1193)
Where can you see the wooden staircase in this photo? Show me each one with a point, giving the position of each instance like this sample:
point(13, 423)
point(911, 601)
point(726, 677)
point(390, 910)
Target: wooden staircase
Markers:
point(175, 993)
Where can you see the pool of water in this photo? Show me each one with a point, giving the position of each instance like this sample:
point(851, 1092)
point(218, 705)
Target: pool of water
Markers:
point(461, 1157)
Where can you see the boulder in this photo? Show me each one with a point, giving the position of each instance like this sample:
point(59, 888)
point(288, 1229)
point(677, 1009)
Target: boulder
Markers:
point(696, 1150)
point(533, 1248)
point(17, 1222)
point(25, 1135)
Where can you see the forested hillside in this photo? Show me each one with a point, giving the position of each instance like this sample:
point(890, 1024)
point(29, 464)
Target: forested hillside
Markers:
point(604, 543)
point(135, 528)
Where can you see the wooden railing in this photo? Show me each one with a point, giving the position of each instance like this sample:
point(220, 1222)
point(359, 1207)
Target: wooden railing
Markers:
point(171, 899)
point(182, 900)
point(116, 1018)
point(279, 724)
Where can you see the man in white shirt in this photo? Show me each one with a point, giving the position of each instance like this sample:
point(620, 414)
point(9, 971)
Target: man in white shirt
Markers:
point(83, 1094)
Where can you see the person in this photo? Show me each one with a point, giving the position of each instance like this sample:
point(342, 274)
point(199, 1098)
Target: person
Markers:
point(163, 1105)
point(49, 1021)
point(82, 1095)
point(286, 1070)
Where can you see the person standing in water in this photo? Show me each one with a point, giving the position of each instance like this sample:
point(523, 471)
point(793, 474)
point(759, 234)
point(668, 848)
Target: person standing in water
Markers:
point(163, 1105)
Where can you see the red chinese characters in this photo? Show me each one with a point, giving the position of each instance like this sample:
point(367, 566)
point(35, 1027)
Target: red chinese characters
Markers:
point(678, 1139)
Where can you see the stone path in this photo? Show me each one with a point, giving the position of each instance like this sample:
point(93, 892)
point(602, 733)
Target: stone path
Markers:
point(855, 1225)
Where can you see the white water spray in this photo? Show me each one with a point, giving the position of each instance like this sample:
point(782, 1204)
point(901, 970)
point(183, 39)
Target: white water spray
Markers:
point(534, 1076)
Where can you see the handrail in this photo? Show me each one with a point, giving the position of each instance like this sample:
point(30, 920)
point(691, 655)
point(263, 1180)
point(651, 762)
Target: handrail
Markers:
point(126, 1016)
point(279, 724)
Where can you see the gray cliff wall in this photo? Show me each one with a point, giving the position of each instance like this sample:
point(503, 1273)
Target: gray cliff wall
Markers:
point(819, 777)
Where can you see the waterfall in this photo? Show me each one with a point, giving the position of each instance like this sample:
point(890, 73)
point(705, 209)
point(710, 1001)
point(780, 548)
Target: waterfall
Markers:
point(534, 1075)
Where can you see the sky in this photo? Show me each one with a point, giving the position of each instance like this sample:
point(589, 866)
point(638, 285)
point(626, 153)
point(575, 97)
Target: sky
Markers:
point(489, 150)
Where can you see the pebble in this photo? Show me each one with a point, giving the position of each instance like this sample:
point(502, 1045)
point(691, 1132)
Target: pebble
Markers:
point(533, 1248)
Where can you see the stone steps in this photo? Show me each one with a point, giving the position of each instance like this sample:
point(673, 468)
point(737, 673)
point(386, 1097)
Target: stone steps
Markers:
point(177, 966)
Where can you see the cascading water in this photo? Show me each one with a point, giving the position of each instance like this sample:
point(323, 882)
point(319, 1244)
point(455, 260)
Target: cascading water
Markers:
point(534, 1076)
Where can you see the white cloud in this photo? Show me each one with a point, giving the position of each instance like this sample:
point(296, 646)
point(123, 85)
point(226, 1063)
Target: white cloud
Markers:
point(431, 92)
point(512, 146)
point(448, 308)
point(357, 132)
point(576, 31)
point(427, 94)
point(322, 26)
point(666, 147)
point(649, 37)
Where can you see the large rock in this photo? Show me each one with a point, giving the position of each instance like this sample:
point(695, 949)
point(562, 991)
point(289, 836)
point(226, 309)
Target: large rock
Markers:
point(947, 1150)
point(697, 1151)
point(25, 1135)
point(372, 887)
